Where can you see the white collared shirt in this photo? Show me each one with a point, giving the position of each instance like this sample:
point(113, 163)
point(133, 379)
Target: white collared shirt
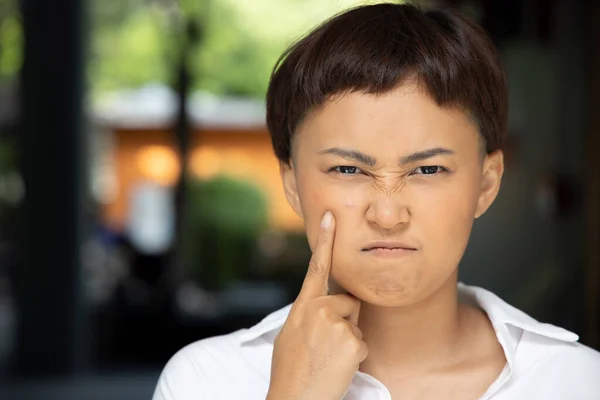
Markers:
point(543, 361)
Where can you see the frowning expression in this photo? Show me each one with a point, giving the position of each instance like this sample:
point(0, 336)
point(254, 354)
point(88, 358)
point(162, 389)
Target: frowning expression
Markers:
point(403, 177)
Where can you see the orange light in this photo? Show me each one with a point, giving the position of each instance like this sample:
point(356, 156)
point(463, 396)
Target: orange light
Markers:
point(205, 162)
point(159, 164)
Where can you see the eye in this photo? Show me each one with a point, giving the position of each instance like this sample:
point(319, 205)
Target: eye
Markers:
point(346, 170)
point(429, 170)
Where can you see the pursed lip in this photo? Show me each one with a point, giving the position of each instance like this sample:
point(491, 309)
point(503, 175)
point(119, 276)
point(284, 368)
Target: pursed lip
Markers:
point(388, 245)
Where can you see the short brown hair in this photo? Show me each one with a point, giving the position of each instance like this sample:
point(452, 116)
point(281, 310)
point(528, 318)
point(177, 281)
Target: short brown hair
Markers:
point(375, 48)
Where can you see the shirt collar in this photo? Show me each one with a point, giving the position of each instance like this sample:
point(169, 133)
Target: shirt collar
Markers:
point(271, 322)
point(501, 314)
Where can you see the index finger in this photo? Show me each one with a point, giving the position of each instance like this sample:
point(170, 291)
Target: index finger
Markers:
point(317, 276)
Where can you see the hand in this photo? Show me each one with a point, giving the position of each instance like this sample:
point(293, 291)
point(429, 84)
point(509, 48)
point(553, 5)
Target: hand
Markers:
point(320, 347)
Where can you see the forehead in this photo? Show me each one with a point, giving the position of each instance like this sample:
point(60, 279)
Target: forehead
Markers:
point(405, 117)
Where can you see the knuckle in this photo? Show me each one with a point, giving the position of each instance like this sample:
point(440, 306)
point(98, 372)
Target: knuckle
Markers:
point(364, 351)
point(315, 267)
point(357, 332)
point(341, 328)
point(354, 345)
point(324, 313)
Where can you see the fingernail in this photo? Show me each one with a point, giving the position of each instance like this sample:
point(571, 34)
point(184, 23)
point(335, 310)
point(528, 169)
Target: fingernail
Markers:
point(327, 220)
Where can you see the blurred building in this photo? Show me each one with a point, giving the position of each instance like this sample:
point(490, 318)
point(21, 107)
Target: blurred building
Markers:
point(229, 137)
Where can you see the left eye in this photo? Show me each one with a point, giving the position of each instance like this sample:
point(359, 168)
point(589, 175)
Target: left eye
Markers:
point(429, 170)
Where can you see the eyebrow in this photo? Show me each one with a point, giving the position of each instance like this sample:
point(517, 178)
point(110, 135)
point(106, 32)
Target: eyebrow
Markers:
point(363, 158)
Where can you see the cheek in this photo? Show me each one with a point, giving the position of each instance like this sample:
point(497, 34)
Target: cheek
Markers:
point(317, 196)
point(452, 211)
point(447, 221)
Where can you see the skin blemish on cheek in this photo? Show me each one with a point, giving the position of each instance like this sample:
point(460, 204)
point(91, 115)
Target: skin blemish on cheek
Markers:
point(354, 198)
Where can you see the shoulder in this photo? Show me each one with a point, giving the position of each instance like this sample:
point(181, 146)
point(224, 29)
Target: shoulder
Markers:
point(185, 373)
point(237, 365)
point(567, 368)
point(559, 353)
point(209, 366)
point(578, 360)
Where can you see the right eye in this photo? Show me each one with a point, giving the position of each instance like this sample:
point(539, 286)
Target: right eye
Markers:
point(346, 170)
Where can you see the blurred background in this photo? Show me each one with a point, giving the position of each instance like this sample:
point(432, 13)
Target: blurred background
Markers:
point(140, 202)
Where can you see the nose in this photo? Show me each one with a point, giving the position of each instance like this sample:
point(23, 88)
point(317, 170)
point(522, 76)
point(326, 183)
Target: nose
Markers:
point(388, 212)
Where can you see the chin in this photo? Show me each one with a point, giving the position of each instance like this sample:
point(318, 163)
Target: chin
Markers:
point(377, 298)
point(386, 292)
point(383, 284)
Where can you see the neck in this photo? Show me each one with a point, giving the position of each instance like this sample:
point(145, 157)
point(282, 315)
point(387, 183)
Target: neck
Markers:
point(415, 337)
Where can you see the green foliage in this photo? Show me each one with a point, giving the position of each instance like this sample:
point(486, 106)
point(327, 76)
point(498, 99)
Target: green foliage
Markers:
point(233, 205)
point(229, 61)
point(224, 217)
point(243, 40)
point(136, 42)
point(127, 46)
point(11, 40)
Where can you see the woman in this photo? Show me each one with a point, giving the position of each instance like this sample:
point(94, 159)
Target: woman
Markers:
point(388, 122)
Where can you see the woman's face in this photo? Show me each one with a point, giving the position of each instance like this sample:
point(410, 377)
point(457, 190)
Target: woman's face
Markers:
point(396, 171)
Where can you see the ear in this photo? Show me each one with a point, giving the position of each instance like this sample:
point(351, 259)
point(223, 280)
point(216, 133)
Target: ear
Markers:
point(288, 178)
point(493, 168)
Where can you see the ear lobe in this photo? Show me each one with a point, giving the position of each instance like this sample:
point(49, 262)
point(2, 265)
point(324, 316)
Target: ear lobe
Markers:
point(288, 178)
point(493, 169)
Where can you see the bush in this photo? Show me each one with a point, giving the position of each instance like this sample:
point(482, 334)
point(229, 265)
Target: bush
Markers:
point(224, 217)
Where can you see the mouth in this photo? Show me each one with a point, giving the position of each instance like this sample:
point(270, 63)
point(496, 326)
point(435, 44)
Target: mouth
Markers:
point(387, 249)
point(381, 245)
